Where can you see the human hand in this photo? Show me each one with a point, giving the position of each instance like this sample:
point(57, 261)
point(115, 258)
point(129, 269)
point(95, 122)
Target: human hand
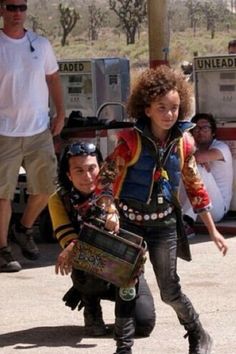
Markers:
point(57, 124)
point(64, 261)
point(219, 241)
point(112, 222)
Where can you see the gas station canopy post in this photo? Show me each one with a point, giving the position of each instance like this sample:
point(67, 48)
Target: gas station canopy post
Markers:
point(159, 35)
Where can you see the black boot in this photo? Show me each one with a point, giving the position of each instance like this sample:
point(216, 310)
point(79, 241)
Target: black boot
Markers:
point(94, 324)
point(200, 341)
point(124, 335)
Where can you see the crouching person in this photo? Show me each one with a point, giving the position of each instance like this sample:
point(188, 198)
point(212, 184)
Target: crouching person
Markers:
point(69, 207)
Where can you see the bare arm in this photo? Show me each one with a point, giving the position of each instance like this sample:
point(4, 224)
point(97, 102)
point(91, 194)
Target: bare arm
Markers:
point(213, 232)
point(55, 91)
point(208, 156)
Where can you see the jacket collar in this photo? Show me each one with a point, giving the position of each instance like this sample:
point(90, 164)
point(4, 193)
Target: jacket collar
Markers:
point(143, 126)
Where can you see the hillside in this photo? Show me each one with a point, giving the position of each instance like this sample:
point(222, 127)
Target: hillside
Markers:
point(112, 43)
point(182, 46)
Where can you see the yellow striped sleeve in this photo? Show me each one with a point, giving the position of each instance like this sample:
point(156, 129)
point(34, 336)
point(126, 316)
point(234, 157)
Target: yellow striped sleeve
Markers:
point(62, 226)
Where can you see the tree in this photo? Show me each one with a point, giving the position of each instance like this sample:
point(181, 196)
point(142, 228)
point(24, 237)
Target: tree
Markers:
point(208, 12)
point(177, 14)
point(216, 12)
point(68, 19)
point(35, 24)
point(131, 14)
point(96, 20)
point(195, 13)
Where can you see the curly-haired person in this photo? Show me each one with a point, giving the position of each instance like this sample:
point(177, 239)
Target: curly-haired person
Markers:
point(150, 160)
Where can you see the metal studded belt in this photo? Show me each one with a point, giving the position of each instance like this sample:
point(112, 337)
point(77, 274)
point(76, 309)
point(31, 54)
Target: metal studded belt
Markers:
point(132, 214)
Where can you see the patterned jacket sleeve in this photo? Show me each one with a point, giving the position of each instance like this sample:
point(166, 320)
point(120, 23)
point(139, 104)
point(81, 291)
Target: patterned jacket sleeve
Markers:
point(62, 226)
point(112, 169)
point(191, 177)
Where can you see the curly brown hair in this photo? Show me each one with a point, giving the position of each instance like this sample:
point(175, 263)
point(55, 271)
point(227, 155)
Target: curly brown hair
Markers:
point(154, 83)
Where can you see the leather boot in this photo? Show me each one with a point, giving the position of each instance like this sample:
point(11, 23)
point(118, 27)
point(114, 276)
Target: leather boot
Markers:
point(200, 341)
point(93, 321)
point(124, 334)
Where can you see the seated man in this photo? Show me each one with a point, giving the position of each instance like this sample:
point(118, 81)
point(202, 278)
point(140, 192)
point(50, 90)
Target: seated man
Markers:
point(214, 161)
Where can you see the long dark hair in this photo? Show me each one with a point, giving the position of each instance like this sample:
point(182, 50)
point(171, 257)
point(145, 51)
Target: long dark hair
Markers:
point(76, 149)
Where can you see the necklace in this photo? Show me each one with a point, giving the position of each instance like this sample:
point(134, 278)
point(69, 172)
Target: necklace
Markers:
point(162, 143)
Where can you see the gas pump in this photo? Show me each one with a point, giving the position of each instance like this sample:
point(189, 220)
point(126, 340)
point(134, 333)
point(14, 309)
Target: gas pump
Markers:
point(215, 93)
point(88, 85)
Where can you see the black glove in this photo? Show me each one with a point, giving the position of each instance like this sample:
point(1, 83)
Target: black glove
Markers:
point(73, 299)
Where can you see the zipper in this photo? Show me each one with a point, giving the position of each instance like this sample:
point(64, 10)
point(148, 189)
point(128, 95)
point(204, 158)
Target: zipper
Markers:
point(162, 163)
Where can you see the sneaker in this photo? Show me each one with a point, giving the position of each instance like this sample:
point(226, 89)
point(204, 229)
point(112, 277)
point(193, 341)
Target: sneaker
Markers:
point(26, 242)
point(200, 342)
point(7, 262)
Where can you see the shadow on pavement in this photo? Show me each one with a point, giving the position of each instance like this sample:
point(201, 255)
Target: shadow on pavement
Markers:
point(57, 336)
point(48, 255)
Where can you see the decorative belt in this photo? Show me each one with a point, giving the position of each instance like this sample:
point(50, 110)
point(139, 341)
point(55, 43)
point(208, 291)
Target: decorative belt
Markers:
point(136, 215)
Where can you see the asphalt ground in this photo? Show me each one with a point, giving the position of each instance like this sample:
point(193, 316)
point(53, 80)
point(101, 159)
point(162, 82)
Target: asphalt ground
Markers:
point(33, 318)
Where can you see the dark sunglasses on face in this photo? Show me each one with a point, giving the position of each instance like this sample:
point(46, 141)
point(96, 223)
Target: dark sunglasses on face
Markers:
point(15, 8)
point(81, 149)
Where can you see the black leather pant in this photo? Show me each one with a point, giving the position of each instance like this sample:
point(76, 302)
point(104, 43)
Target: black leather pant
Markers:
point(162, 249)
point(142, 308)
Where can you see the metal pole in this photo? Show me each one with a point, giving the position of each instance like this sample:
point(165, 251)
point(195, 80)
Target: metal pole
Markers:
point(159, 36)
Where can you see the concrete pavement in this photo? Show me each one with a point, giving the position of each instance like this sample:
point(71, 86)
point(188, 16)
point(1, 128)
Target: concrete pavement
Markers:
point(34, 319)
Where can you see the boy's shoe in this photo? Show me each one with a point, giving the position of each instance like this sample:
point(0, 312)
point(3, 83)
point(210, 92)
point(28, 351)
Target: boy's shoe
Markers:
point(200, 342)
point(7, 262)
point(26, 242)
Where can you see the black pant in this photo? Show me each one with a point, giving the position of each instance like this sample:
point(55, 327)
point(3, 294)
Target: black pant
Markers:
point(162, 248)
point(142, 308)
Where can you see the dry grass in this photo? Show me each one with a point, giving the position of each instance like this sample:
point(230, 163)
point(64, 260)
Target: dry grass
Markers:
point(182, 47)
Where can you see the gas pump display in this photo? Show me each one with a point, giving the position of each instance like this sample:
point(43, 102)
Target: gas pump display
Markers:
point(89, 83)
point(76, 78)
point(215, 86)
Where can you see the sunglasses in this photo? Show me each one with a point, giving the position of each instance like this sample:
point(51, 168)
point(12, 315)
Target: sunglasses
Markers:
point(15, 8)
point(81, 149)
